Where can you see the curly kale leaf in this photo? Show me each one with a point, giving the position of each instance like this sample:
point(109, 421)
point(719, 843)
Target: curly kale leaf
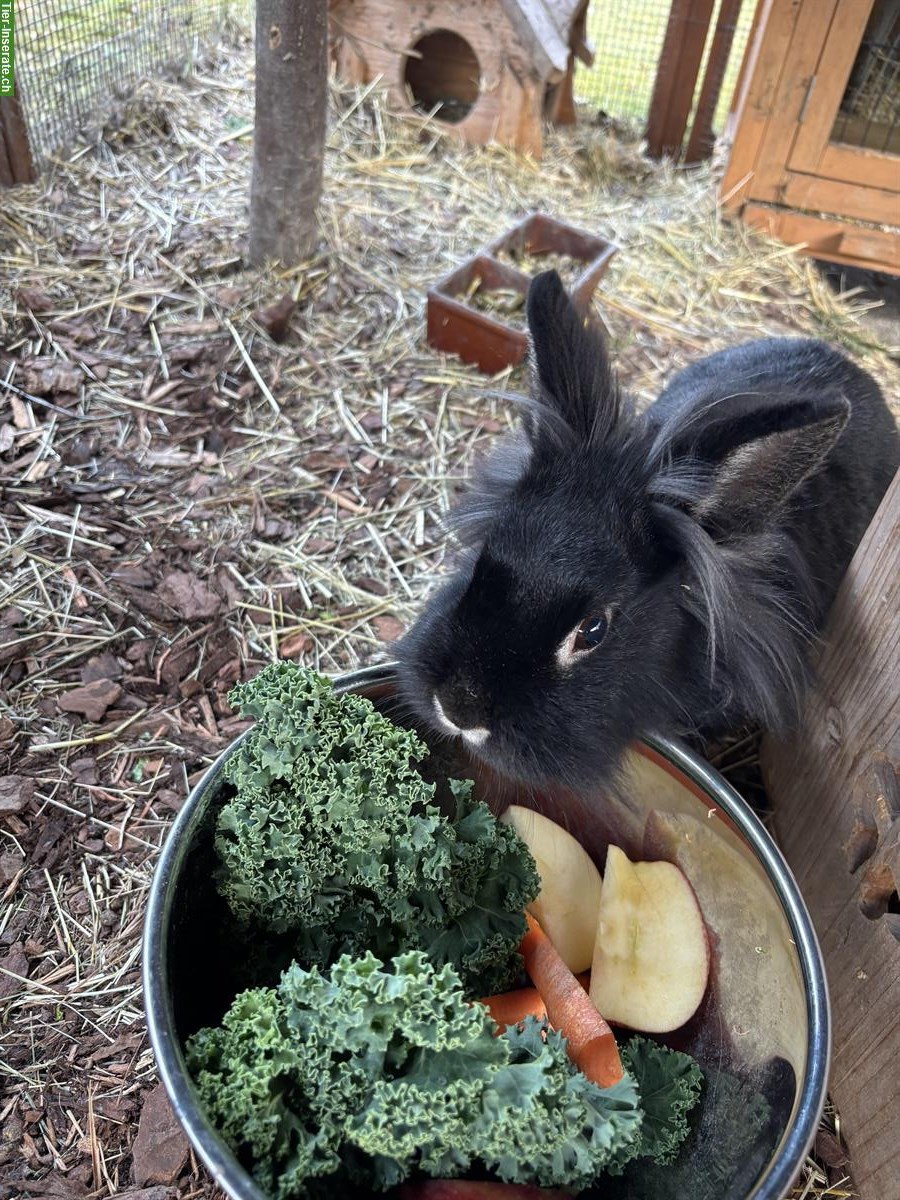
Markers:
point(369, 1073)
point(669, 1084)
point(334, 839)
point(732, 1136)
point(552, 1126)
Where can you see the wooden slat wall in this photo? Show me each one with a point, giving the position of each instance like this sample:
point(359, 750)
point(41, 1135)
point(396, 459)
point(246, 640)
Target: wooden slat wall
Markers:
point(835, 788)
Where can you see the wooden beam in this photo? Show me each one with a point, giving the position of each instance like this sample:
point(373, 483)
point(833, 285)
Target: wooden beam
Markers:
point(828, 238)
point(760, 7)
point(702, 139)
point(856, 201)
point(835, 788)
point(6, 172)
point(14, 141)
point(676, 75)
point(755, 105)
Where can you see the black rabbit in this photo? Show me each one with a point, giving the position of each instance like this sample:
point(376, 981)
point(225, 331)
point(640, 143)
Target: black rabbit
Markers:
point(664, 572)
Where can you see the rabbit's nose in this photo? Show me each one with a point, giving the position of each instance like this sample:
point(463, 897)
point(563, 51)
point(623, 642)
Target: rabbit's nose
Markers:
point(461, 713)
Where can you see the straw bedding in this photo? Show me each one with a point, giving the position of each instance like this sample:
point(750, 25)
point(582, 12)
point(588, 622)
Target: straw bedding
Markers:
point(184, 497)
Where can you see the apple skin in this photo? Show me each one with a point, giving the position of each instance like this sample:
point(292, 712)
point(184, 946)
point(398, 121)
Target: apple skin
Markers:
point(651, 957)
point(473, 1189)
point(566, 908)
point(758, 999)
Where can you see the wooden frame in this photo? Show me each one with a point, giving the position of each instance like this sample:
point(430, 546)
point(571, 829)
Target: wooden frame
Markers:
point(785, 173)
point(835, 786)
point(16, 162)
point(824, 237)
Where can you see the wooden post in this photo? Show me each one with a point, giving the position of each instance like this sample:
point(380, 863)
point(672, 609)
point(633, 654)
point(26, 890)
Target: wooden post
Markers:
point(289, 134)
point(676, 76)
point(702, 139)
point(835, 789)
point(16, 162)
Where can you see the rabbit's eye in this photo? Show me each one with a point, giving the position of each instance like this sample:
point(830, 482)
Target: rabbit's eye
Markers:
point(590, 633)
point(584, 638)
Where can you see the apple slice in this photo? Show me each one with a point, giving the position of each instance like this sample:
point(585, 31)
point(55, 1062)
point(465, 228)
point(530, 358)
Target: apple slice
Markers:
point(567, 905)
point(651, 956)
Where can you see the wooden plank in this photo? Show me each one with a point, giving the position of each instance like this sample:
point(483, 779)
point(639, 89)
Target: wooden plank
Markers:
point(543, 27)
point(810, 34)
point(14, 135)
point(764, 66)
point(835, 788)
point(676, 75)
point(832, 74)
point(853, 164)
point(702, 139)
point(559, 104)
point(832, 240)
point(759, 8)
point(852, 200)
point(6, 175)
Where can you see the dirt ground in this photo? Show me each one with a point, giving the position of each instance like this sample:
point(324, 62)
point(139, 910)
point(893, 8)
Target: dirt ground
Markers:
point(183, 498)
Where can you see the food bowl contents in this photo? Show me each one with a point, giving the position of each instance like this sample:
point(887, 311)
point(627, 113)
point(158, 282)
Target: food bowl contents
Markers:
point(334, 843)
point(506, 304)
point(408, 1023)
point(541, 243)
point(570, 267)
point(589, 1040)
point(569, 900)
point(368, 1072)
point(651, 958)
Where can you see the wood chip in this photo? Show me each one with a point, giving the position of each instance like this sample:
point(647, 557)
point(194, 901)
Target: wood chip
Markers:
point(15, 793)
point(387, 629)
point(189, 596)
point(92, 700)
point(161, 1147)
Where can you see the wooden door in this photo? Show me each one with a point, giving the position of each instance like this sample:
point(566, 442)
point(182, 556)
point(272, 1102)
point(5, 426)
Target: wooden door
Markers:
point(815, 129)
point(845, 157)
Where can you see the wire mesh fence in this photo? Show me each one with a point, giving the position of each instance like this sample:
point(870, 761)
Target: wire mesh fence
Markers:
point(74, 56)
point(627, 38)
point(869, 115)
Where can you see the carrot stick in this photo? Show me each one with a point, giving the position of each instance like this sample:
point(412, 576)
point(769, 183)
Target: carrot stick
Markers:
point(509, 1008)
point(592, 1046)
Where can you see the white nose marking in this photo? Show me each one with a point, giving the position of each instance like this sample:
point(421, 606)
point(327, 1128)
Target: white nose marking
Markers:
point(475, 736)
point(444, 720)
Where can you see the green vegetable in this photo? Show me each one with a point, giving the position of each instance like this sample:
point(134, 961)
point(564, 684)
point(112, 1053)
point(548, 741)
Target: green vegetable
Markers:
point(369, 1072)
point(669, 1084)
point(351, 1072)
point(334, 839)
point(731, 1138)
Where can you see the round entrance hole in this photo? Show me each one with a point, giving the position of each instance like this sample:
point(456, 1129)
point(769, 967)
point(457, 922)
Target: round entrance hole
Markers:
point(443, 76)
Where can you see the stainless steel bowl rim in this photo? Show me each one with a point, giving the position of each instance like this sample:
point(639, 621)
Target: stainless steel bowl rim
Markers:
point(235, 1180)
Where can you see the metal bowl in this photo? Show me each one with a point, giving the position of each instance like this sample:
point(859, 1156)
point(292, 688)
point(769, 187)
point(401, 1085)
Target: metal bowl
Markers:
point(766, 1015)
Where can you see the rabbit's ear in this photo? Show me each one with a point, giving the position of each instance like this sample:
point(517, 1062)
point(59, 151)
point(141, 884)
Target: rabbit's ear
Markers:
point(572, 377)
point(743, 455)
